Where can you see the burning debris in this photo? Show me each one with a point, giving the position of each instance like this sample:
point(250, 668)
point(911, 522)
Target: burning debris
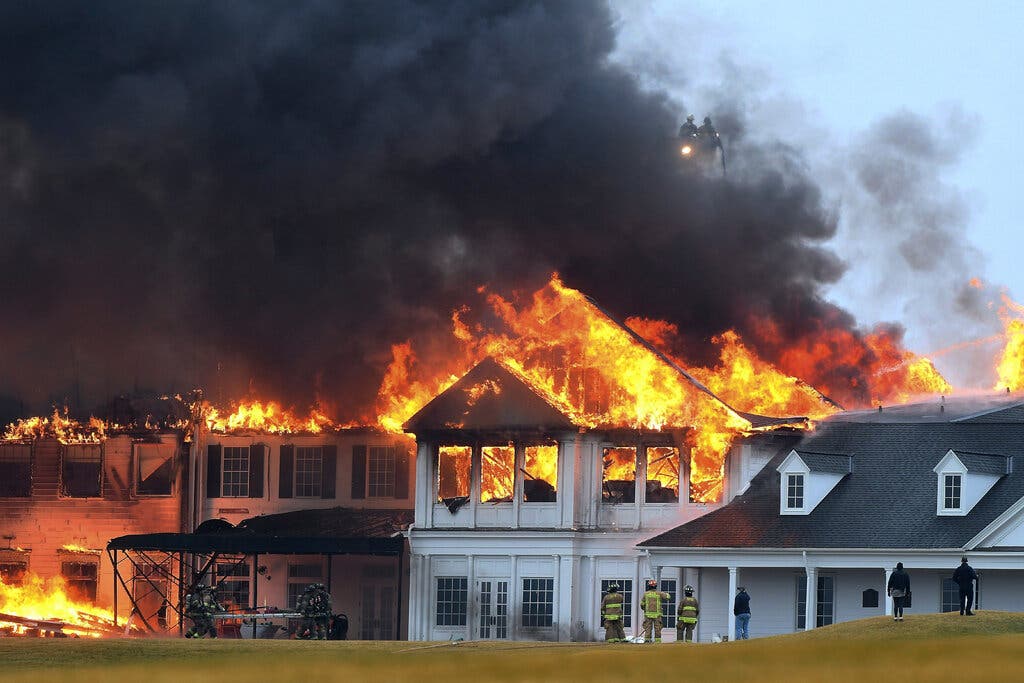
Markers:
point(39, 607)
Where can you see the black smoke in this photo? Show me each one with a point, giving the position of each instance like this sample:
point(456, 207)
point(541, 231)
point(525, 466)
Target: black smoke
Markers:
point(266, 195)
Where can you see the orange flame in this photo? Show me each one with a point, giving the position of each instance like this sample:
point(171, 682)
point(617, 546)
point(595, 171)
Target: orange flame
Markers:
point(268, 418)
point(49, 600)
point(1010, 366)
point(58, 426)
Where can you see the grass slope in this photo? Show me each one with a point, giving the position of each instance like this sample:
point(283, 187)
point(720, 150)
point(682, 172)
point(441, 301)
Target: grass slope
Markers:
point(939, 647)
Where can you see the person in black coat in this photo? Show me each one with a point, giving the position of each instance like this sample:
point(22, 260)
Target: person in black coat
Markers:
point(965, 576)
point(898, 589)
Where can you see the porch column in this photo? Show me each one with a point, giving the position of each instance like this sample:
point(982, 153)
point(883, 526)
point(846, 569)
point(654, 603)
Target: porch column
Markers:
point(730, 598)
point(471, 594)
point(885, 593)
point(810, 608)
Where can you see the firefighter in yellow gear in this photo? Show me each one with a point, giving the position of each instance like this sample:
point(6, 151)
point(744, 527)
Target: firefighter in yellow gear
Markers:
point(651, 605)
point(686, 619)
point(611, 615)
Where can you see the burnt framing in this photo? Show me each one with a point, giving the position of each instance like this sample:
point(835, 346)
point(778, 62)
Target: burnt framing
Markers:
point(169, 565)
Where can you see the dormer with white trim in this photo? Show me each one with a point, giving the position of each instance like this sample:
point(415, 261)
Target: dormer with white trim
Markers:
point(806, 478)
point(964, 478)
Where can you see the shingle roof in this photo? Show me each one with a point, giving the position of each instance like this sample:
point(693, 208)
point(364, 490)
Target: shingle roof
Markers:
point(887, 502)
point(984, 463)
point(997, 408)
point(826, 462)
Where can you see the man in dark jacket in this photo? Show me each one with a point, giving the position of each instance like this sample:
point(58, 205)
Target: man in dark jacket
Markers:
point(965, 576)
point(898, 589)
point(741, 608)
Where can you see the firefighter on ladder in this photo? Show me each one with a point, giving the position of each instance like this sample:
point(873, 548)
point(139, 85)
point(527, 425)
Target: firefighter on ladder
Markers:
point(686, 620)
point(651, 604)
point(611, 615)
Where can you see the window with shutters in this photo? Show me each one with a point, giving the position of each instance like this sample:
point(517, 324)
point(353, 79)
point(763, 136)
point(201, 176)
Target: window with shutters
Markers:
point(235, 472)
point(309, 464)
point(81, 473)
point(380, 478)
point(15, 470)
point(154, 469)
point(380, 471)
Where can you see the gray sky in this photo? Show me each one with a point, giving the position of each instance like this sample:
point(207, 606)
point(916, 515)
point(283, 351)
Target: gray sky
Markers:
point(832, 75)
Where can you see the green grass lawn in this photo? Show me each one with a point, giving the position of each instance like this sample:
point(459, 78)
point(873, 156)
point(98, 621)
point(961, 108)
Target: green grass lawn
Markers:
point(937, 647)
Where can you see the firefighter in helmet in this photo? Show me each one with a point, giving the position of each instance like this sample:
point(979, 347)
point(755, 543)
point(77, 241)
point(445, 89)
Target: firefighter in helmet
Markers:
point(611, 615)
point(686, 620)
point(651, 605)
point(200, 606)
point(315, 607)
point(689, 129)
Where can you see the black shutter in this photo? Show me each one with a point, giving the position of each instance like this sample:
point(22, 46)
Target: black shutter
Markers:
point(213, 471)
point(287, 471)
point(401, 473)
point(358, 472)
point(256, 458)
point(329, 473)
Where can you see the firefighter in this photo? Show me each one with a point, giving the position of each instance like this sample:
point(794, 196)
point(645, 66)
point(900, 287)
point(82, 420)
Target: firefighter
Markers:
point(200, 606)
point(651, 604)
point(315, 607)
point(611, 615)
point(708, 132)
point(686, 620)
point(688, 130)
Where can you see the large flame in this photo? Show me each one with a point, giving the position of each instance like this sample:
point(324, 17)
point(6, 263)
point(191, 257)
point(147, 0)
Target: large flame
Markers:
point(58, 426)
point(49, 600)
point(267, 418)
point(1010, 366)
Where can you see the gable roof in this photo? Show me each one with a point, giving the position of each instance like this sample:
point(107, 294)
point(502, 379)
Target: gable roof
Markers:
point(488, 397)
point(833, 463)
point(887, 502)
point(984, 463)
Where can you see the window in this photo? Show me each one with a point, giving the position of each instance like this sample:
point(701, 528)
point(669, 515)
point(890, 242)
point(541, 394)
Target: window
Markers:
point(668, 607)
point(15, 470)
point(235, 472)
point(540, 474)
point(82, 471)
point(619, 481)
point(951, 491)
point(299, 577)
point(80, 577)
point(951, 595)
point(308, 471)
point(825, 608)
point(154, 468)
point(626, 589)
point(662, 475)
point(453, 471)
point(12, 573)
point(377, 613)
point(794, 491)
point(232, 582)
point(869, 598)
point(538, 603)
point(381, 475)
point(451, 601)
point(497, 473)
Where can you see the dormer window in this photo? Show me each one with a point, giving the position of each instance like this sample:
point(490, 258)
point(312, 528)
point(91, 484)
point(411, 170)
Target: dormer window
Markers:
point(951, 491)
point(794, 491)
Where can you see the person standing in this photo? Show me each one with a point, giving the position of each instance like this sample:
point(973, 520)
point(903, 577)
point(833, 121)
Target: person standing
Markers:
point(965, 576)
point(898, 589)
point(611, 615)
point(651, 604)
point(686, 620)
point(741, 608)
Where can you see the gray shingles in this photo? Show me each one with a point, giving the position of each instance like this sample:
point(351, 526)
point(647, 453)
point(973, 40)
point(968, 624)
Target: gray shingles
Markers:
point(826, 462)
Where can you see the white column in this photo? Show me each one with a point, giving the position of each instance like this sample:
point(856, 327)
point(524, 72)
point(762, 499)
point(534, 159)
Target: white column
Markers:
point(885, 593)
point(517, 485)
point(638, 591)
point(733, 571)
point(427, 597)
point(556, 607)
point(514, 596)
point(810, 609)
point(412, 618)
point(471, 596)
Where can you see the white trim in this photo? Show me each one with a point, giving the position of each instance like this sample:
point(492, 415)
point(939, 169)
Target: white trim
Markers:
point(1000, 523)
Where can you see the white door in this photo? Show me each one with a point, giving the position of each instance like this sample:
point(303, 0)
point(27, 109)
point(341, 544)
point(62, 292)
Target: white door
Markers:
point(493, 622)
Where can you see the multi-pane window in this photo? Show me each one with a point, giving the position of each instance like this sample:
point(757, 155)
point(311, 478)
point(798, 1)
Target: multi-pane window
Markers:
point(538, 603)
point(452, 593)
point(232, 581)
point(299, 577)
point(15, 470)
point(825, 609)
point(235, 472)
point(951, 492)
point(381, 472)
point(794, 491)
point(668, 607)
point(626, 590)
point(80, 577)
point(82, 471)
point(618, 484)
point(951, 595)
point(309, 467)
point(154, 468)
point(662, 475)
point(540, 474)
